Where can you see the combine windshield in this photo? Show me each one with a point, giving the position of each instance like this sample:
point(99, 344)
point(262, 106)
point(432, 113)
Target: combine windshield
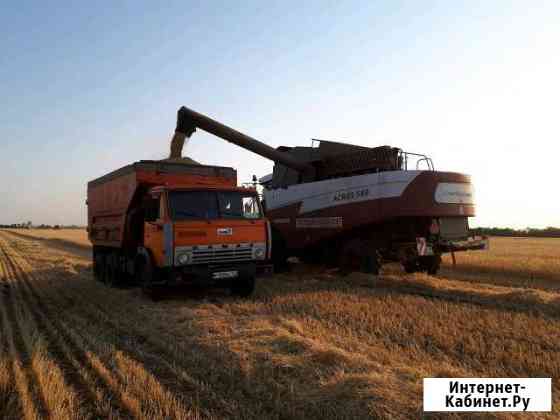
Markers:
point(192, 205)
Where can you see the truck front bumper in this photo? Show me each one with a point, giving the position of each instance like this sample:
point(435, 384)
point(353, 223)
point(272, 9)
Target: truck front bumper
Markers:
point(217, 274)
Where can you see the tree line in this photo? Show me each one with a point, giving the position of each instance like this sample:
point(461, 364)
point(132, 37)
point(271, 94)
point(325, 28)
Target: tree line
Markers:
point(43, 226)
point(549, 232)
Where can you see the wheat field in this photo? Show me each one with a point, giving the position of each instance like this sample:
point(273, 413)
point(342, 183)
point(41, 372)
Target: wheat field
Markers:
point(307, 344)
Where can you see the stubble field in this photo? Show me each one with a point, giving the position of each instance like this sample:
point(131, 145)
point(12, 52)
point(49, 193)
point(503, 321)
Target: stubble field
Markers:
point(306, 345)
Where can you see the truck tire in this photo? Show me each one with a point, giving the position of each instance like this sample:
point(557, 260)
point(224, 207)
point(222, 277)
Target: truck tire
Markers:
point(370, 263)
point(410, 266)
point(243, 286)
point(106, 270)
point(312, 256)
point(112, 278)
point(98, 265)
point(145, 275)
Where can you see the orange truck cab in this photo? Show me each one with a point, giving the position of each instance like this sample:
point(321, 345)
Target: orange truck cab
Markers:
point(160, 223)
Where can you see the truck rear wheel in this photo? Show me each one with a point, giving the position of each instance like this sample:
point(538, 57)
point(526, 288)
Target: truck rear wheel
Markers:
point(243, 286)
point(112, 277)
point(98, 265)
point(410, 266)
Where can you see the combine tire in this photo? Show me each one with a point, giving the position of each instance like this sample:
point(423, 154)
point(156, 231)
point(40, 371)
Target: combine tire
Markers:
point(428, 265)
point(432, 264)
point(243, 286)
point(279, 254)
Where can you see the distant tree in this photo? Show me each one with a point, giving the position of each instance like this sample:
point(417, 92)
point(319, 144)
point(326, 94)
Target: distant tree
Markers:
point(549, 232)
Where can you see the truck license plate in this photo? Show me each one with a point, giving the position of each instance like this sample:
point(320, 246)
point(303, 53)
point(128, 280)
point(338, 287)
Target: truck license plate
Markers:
point(225, 274)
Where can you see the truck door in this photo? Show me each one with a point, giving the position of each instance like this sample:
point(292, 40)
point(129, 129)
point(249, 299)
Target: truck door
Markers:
point(154, 229)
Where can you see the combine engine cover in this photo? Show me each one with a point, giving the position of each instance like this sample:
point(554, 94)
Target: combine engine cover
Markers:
point(312, 212)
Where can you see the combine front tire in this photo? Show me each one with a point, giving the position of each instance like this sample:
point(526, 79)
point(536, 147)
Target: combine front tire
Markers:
point(279, 253)
point(431, 264)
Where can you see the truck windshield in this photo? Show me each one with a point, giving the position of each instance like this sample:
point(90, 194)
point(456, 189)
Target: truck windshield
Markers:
point(189, 205)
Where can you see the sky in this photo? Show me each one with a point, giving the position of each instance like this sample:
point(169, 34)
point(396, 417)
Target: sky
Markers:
point(88, 87)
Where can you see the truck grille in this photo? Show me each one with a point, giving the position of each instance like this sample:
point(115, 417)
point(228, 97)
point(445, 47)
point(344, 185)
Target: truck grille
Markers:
point(222, 253)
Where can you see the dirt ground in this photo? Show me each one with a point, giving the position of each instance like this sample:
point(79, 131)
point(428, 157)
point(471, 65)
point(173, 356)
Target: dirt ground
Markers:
point(306, 345)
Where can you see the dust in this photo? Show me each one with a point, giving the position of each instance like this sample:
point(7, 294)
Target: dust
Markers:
point(176, 151)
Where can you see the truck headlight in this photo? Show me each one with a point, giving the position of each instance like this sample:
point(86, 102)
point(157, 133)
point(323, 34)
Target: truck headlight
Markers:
point(258, 253)
point(184, 258)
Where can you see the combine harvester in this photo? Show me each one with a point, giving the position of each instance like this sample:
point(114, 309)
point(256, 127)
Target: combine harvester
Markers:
point(352, 206)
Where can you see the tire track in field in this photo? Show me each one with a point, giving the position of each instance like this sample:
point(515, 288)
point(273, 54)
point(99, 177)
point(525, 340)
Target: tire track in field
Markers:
point(33, 401)
point(57, 349)
point(10, 402)
point(81, 332)
point(156, 358)
point(74, 357)
point(170, 372)
point(133, 384)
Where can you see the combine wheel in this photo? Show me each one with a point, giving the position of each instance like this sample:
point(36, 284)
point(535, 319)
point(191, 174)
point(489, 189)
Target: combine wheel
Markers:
point(279, 253)
point(429, 265)
point(359, 255)
point(313, 256)
point(432, 264)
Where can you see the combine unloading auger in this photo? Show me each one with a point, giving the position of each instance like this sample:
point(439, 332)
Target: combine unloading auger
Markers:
point(188, 121)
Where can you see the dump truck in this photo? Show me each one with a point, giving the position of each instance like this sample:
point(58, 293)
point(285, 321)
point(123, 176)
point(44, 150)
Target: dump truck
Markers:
point(162, 223)
point(357, 207)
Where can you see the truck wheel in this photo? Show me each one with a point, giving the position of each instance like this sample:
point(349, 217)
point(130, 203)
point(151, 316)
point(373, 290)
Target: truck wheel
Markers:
point(279, 254)
point(98, 266)
point(410, 266)
point(112, 278)
point(145, 273)
point(243, 286)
